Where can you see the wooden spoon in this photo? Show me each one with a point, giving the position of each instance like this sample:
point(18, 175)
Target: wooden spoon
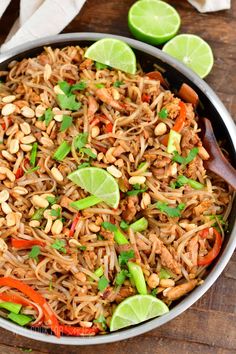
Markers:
point(217, 163)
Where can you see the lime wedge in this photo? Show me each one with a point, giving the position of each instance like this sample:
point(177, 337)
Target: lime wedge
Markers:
point(193, 51)
point(114, 53)
point(136, 309)
point(99, 183)
point(153, 21)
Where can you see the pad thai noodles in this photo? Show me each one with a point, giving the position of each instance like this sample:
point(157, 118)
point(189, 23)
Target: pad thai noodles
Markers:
point(68, 257)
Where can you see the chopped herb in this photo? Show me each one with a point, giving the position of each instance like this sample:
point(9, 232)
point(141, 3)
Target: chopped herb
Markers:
point(66, 122)
point(38, 214)
point(83, 165)
point(171, 212)
point(124, 225)
point(118, 83)
point(100, 86)
point(182, 180)
point(136, 190)
point(102, 283)
point(88, 152)
point(121, 276)
point(52, 200)
point(99, 272)
point(100, 237)
point(62, 151)
point(31, 170)
point(79, 86)
point(59, 245)
point(82, 248)
point(35, 251)
point(164, 274)
point(144, 163)
point(101, 319)
point(185, 160)
point(154, 292)
point(48, 116)
point(109, 226)
point(163, 114)
point(80, 140)
point(100, 66)
point(65, 87)
point(125, 256)
point(33, 154)
point(56, 212)
point(68, 102)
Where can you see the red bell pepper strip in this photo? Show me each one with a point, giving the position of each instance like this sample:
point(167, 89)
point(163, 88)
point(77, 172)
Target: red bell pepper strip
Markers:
point(108, 128)
point(70, 81)
point(146, 98)
point(15, 298)
point(179, 123)
point(78, 331)
point(26, 243)
point(73, 225)
point(36, 297)
point(3, 125)
point(19, 172)
point(213, 253)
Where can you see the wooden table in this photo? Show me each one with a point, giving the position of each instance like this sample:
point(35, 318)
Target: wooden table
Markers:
point(209, 326)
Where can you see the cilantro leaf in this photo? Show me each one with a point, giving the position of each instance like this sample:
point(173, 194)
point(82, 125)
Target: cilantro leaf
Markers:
point(125, 256)
point(80, 140)
point(171, 212)
point(66, 122)
point(68, 102)
point(118, 83)
point(101, 319)
point(185, 160)
point(154, 292)
point(88, 152)
point(102, 283)
point(65, 87)
point(56, 212)
point(52, 200)
point(82, 248)
point(35, 251)
point(136, 190)
point(79, 86)
point(121, 276)
point(100, 66)
point(124, 225)
point(109, 226)
point(163, 114)
point(59, 245)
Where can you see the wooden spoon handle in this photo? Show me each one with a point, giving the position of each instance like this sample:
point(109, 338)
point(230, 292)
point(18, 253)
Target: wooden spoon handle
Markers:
point(217, 162)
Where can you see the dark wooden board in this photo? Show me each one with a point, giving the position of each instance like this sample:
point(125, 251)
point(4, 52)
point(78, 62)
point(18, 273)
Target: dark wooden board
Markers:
point(209, 326)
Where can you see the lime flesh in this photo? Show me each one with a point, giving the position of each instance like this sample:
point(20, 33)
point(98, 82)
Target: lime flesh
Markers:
point(153, 21)
point(193, 51)
point(136, 309)
point(113, 52)
point(98, 182)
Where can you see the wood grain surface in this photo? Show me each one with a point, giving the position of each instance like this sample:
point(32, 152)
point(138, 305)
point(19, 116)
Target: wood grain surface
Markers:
point(209, 326)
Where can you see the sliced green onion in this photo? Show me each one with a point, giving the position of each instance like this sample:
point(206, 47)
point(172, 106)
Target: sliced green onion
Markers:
point(139, 225)
point(173, 142)
point(20, 319)
point(99, 272)
point(85, 202)
point(100, 86)
point(31, 170)
point(38, 215)
point(11, 306)
point(102, 283)
point(33, 154)
point(120, 238)
point(164, 274)
point(138, 277)
point(62, 151)
point(182, 180)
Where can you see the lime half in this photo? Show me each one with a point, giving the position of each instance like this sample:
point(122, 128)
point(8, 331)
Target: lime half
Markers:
point(114, 53)
point(136, 309)
point(193, 51)
point(153, 21)
point(98, 182)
